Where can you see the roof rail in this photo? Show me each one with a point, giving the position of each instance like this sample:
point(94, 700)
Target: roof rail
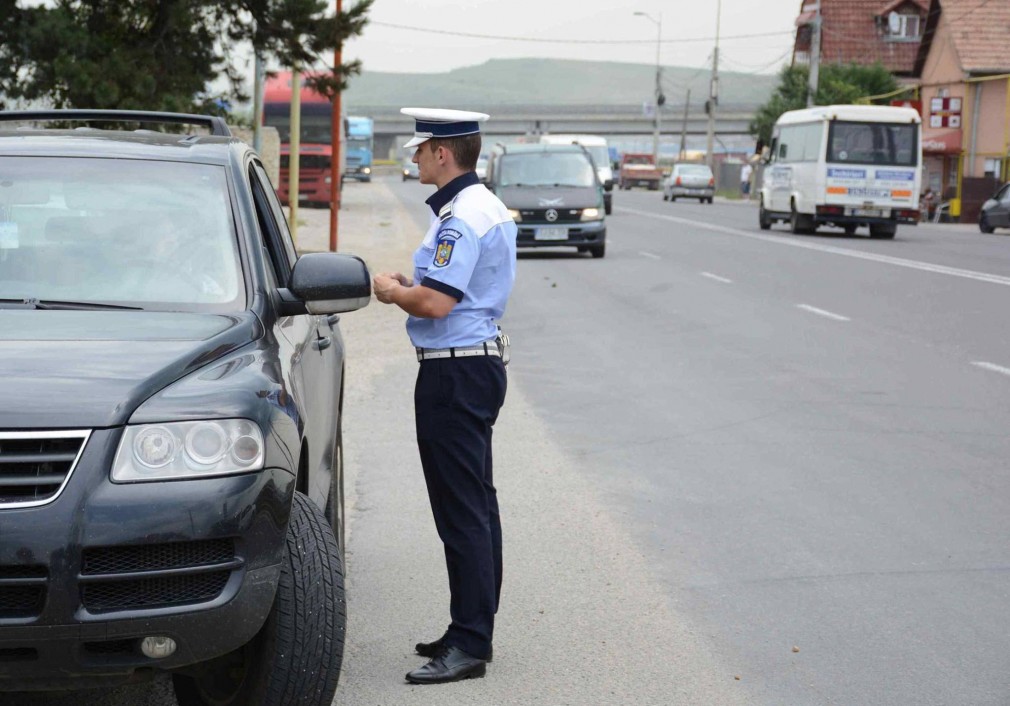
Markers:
point(215, 124)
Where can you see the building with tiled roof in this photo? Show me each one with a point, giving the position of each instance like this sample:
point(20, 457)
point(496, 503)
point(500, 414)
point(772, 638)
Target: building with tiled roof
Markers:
point(963, 67)
point(887, 32)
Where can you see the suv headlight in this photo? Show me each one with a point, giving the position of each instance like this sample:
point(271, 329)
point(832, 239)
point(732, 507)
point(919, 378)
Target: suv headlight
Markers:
point(154, 452)
point(591, 214)
point(516, 216)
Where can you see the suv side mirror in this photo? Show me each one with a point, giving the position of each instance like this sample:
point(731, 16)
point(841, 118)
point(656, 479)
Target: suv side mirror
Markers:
point(331, 283)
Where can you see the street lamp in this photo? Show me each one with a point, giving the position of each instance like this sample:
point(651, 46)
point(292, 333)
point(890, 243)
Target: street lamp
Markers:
point(659, 98)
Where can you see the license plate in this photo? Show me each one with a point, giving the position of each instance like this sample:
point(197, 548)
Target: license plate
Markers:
point(303, 197)
point(551, 234)
point(868, 212)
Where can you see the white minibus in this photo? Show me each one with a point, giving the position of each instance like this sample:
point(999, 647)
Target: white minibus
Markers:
point(597, 148)
point(845, 166)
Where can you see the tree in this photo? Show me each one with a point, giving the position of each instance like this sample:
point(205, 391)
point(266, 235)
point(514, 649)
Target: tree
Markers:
point(163, 54)
point(837, 84)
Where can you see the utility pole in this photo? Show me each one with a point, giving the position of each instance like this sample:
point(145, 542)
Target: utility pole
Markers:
point(683, 127)
point(335, 124)
point(713, 92)
point(658, 98)
point(294, 147)
point(815, 55)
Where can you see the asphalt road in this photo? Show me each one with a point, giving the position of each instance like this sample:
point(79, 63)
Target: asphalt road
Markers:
point(735, 466)
point(807, 437)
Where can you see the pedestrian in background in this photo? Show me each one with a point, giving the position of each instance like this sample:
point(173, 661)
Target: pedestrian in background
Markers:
point(745, 175)
point(463, 275)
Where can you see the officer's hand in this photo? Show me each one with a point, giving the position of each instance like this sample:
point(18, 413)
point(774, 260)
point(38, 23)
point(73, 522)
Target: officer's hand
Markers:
point(384, 284)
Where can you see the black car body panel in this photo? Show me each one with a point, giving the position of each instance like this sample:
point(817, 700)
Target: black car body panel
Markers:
point(89, 570)
point(112, 360)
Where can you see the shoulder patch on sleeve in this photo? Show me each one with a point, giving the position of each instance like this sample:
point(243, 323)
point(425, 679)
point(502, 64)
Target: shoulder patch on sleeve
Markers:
point(445, 241)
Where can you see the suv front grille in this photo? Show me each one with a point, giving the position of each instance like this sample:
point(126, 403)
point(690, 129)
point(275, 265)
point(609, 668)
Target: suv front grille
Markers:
point(155, 576)
point(564, 215)
point(157, 557)
point(35, 466)
point(153, 592)
point(22, 591)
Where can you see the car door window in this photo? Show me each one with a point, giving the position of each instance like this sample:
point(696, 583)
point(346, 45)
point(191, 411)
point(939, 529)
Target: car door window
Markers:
point(273, 224)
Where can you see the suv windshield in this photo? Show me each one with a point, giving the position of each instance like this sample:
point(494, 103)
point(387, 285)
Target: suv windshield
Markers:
point(873, 143)
point(547, 169)
point(155, 235)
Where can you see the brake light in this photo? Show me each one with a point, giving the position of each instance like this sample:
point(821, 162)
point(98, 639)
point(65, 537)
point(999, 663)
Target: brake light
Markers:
point(678, 181)
point(711, 182)
point(831, 210)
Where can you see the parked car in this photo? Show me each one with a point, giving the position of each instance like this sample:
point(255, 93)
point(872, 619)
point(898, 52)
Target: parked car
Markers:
point(996, 211)
point(553, 194)
point(171, 488)
point(409, 170)
point(694, 181)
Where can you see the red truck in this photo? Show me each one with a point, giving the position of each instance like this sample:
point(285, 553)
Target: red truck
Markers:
point(639, 169)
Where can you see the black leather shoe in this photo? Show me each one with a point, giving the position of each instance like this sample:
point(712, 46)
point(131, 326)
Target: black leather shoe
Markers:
point(430, 649)
point(449, 664)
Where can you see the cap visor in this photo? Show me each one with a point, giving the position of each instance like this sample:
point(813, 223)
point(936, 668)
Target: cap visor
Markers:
point(415, 142)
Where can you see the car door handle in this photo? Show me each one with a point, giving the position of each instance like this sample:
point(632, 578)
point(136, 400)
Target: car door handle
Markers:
point(322, 343)
point(333, 320)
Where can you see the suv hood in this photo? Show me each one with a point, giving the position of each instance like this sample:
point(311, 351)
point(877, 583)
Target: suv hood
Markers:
point(535, 197)
point(92, 369)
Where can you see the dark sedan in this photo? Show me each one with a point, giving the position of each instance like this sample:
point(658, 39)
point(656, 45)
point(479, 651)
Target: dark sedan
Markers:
point(170, 448)
point(996, 211)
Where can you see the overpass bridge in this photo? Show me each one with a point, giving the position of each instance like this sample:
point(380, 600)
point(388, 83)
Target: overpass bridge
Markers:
point(619, 123)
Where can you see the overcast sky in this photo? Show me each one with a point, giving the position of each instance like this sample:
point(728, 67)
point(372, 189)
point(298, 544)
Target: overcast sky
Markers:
point(418, 48)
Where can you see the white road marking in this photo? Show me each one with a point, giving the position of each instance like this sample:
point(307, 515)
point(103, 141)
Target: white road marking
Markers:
point(649, 254)
point(717, 278)
point(874, 257)
point(822, 312)
point(991, 366)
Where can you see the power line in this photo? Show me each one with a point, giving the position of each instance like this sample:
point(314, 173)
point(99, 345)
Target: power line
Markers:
point(496, 37)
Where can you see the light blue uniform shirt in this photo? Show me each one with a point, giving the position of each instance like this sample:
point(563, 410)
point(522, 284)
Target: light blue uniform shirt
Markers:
point(469, 253)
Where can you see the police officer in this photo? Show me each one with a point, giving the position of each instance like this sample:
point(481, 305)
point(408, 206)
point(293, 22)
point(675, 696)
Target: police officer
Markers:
point(463, 274)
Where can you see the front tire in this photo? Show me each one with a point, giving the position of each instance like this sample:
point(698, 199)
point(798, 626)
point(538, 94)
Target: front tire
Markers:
point(984, 226)
point(598, 251)
point(308, 620)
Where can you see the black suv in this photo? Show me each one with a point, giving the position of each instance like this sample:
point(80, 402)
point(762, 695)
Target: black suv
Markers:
point(552, 193)
point(170, 449)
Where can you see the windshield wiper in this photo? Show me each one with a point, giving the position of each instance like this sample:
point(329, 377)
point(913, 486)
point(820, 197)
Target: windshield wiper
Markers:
point(34, 303)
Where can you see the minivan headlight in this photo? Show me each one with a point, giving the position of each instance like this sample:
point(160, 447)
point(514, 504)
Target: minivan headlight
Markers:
point(178, 450)
point(591, 214)
point(516, 216)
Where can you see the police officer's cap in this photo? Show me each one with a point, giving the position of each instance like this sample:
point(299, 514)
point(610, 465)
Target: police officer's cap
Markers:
point(442, 122)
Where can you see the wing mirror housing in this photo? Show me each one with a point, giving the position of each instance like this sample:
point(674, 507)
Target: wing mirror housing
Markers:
point(327, 283)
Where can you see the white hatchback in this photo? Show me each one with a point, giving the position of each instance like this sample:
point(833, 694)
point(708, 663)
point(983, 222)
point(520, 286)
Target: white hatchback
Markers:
point(694, 181)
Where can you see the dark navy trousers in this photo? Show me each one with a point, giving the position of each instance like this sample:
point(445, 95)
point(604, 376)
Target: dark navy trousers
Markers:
point(456, 403)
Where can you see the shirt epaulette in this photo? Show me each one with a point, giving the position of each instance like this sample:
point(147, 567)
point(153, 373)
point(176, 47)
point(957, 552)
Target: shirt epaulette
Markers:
point(445, 213)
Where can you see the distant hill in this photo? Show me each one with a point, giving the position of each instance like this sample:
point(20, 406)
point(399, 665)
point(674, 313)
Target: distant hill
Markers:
point(501, 82)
